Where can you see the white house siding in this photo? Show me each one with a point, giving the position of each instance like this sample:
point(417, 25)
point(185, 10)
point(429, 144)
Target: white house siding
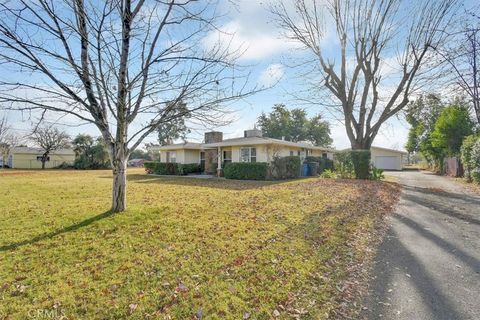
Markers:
point(191, 156)
point(180, 155)
point(387, 159)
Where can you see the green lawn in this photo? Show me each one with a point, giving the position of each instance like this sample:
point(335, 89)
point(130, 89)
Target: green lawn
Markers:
point(225, 249)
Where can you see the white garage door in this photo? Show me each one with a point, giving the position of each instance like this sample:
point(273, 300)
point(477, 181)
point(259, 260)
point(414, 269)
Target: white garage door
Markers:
point(387, 163)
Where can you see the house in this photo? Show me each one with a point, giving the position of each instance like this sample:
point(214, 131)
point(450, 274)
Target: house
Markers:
point(30, 158)
point(252, 147)
point(387, 159)
point(136, 162)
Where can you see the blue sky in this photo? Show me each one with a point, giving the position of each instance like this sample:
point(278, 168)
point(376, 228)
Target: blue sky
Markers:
point(268, 54)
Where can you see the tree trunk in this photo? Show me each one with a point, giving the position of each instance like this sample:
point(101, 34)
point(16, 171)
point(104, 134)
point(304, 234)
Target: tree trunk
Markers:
point(43, 163)
point(119, 192)
point(361, 161)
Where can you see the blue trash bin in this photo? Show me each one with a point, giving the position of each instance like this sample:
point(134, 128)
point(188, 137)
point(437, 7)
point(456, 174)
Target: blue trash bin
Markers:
point(305, 170)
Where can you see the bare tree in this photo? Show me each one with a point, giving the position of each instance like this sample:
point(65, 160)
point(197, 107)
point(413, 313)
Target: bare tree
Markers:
point(124, 66)
point(372, 35)
point(4, 134)
point(8, 140)
point(49, 139)
point(464, 59)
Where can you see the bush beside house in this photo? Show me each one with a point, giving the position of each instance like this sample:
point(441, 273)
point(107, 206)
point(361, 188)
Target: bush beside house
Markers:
point(285, 168)
point(178, 169)
point(323, 163)
point(246, 170)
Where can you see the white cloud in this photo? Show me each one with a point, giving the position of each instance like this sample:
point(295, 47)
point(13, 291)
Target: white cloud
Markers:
point(271, 75)
point(251, 31)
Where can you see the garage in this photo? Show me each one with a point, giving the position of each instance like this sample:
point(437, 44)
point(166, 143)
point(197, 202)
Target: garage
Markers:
point(387, 159)
point(387, 162)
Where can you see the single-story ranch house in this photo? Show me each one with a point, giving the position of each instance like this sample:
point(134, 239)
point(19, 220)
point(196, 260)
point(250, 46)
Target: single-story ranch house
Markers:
point(30, 158)
point(252, 147)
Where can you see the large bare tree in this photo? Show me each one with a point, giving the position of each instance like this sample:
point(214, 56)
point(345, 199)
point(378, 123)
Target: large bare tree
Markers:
point(379, 54)
point(49, 139)
point(125, 66)
point(463, 55)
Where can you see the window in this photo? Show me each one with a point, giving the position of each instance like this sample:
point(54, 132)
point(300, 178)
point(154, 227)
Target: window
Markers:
point(248, 155)
point(202, 160)
point(39, 158)
point(171, 156)
point(298, 153)
point(324, 155)
point(227, 156)
point(291, 153)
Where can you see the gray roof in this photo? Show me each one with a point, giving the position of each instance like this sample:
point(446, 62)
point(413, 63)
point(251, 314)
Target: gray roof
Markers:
point(178, 146)
point(29, 150)
point(240, 142)
point(382, 148)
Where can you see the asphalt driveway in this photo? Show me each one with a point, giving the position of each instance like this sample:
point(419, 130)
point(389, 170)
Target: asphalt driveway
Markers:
point(428, 266)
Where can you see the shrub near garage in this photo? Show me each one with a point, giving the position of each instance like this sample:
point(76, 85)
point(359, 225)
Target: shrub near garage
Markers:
point(285, 167)
point(246, 170)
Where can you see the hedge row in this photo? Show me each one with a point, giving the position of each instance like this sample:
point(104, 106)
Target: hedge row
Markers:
point(178, 169)
point(246, 170)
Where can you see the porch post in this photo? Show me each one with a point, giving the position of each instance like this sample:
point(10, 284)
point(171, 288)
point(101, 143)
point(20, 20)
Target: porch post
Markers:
point(219, 162)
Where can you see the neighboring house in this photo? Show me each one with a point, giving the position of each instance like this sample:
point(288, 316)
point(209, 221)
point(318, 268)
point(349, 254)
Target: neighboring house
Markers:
point(136, 162)
point(252, 147)
point(30, 158)
point(387, 159)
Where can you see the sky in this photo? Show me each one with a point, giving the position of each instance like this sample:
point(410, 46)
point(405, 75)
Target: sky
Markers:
point(268, 56)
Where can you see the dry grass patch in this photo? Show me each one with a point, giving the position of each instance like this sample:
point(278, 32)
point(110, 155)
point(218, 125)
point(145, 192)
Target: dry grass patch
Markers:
point(185, 249)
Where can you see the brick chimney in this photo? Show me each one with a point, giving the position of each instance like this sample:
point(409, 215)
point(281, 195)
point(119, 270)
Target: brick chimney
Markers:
point(213, 136)
point(252, 133)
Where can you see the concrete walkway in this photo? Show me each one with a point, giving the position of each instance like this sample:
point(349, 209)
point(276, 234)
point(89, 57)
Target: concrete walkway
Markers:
point(428, 266)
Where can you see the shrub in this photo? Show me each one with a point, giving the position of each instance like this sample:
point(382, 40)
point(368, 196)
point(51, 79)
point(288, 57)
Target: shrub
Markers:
point(149, 166)
point(466, 155)
point(377, 174)
point(65, 165)
point(184, 169)
point(328, 174)
point(353, 164)
point(361, 163)
point(246, 170)
point(285, 167)
point(475, 161)
point(343, 164)
point(163, 168)
point(323, 163)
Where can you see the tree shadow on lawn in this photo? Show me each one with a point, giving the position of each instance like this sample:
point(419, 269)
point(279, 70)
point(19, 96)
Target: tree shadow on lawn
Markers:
point(205, 182)
point(57, 232)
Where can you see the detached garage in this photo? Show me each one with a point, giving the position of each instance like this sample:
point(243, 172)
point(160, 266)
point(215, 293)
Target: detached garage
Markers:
point(387, 159)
